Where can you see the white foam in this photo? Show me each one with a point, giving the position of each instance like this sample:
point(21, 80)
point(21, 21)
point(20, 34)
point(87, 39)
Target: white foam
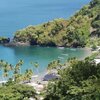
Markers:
point(60, 47)
point(60, 57)
point(73, 49)
point(65, 54)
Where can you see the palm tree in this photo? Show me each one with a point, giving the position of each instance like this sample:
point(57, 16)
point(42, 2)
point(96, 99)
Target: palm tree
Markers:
point(17, 69)
point(32, 63)
point(36, 65)
point(59, 65)
point(1, 64)
point(20, 63)
point(1, 68)
point(6, 68)
point(28, 75)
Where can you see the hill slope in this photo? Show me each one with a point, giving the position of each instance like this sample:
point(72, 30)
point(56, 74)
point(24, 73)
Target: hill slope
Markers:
point(60, 32)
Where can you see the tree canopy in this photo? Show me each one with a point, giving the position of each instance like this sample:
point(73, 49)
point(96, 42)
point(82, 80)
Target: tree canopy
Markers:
point(79, 81)
point(76, 31)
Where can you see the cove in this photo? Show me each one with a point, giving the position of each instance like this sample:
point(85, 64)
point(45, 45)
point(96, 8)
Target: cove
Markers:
point(42, 55)
point(17, 14)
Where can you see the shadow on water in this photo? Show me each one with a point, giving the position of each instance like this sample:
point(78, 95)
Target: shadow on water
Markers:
point(42, 55)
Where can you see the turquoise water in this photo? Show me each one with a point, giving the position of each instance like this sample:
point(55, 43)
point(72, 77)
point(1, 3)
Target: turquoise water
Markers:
point(17, 14)
point(42, 55)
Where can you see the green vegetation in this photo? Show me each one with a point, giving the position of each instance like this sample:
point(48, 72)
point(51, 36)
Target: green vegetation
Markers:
point(18, 77)
point(94, 47)
point(54, 65)
point(36, 65)
point(14, 88)
point(77, 31)
point(16, 92)
point(4, 40)
point(79, 81)
point(93, 56)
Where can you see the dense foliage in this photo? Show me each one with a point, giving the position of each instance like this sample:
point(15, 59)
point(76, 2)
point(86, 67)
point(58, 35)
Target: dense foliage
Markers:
point(14, 72)
point(14, 87)
point(60, 32)
point(4, 40)
point(16, 92)
point(79, 81)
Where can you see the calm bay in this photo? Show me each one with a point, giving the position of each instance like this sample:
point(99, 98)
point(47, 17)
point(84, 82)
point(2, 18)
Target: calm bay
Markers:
point(17, 14)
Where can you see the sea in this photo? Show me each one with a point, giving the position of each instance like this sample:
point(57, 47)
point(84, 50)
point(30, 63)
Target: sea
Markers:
point(18, 14)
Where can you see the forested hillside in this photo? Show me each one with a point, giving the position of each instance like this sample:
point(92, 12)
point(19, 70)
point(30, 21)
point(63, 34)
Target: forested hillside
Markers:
point(77, 31)
point(79, 81)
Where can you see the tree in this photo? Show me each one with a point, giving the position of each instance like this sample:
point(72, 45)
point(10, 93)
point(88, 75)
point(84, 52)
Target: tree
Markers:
point(17, 70)
point(17, 92)
point(94, 47)
point(5, 68)
point(36, 65)
point(28, 75)
point(78, 81)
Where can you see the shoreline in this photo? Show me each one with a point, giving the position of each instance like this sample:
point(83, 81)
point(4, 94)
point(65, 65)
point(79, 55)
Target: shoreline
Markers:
point(18, 44)
point(88, 53)
point(37, 80)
